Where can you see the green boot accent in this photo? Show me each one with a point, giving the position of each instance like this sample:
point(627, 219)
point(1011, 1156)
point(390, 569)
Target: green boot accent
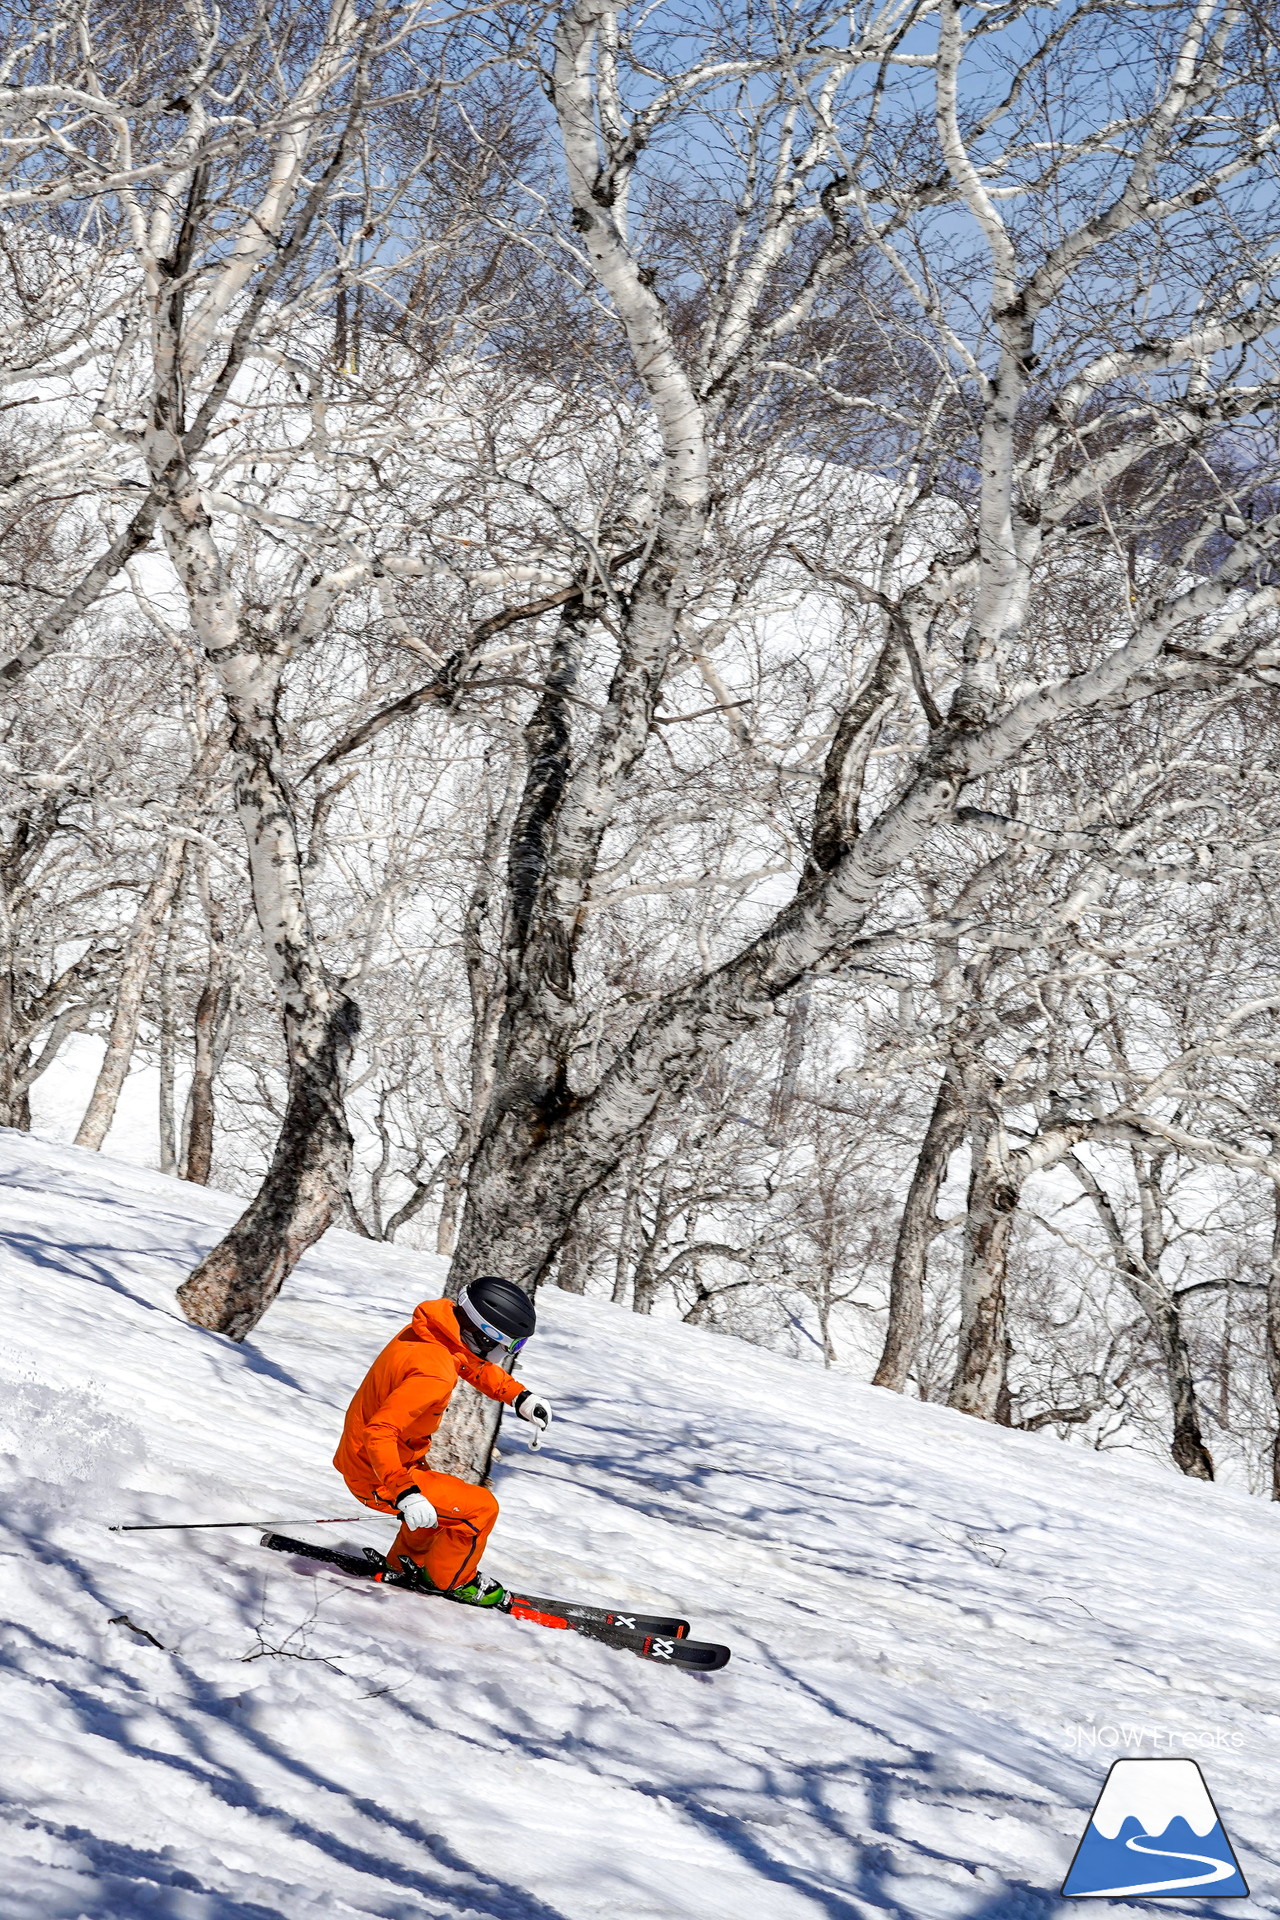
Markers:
point(479, 1591)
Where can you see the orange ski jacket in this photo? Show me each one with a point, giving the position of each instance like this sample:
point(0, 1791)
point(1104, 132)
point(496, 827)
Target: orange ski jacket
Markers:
point(402, 1398)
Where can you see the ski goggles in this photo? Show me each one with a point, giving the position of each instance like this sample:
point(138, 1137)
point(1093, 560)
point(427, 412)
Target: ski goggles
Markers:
point(500, 1347)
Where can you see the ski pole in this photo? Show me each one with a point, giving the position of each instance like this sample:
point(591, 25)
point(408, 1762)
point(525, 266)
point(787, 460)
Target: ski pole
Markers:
point(536, 1435)
point(194, 1526)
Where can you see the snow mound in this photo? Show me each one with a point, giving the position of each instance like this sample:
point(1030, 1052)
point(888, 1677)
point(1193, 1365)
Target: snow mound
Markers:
point(942, 1632)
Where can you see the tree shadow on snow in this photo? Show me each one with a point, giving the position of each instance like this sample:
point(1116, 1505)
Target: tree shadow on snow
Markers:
point(202, 1714)
point(1017, 1901)
point(688, 1799)
point(127, 1880)
point(245, 1357)
point(77, 1260)
point(94, 1262)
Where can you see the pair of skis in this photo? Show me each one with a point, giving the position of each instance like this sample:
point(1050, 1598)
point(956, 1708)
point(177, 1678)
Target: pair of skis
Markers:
point(652, 1636)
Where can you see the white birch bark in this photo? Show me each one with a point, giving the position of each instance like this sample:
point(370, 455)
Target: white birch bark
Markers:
point(311, 1168)
point(139, 952)
point(917, 1229)
point(198, 287)
point(567, 807)
point(1141, 1273)
point(546, 1145)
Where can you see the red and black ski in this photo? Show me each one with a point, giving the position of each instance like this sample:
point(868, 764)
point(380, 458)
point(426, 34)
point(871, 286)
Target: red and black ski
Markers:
point(653, 1637)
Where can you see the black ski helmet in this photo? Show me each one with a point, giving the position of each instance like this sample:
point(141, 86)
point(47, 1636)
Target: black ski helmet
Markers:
point(492, 1307)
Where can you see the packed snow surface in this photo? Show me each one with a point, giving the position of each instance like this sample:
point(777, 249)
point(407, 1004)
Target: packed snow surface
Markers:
point(942, 1632)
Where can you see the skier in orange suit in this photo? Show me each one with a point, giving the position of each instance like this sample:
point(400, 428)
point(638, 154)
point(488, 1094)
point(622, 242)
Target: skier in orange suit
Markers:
point(444, 1522)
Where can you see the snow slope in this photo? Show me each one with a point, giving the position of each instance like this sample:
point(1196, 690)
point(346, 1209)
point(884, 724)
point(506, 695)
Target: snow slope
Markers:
point(927, 1616)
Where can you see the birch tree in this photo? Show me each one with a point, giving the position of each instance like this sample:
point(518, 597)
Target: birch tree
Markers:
point(1074, 437)
point(95, 796)
point(823, 578)
point(93, 107)
point(240, 243)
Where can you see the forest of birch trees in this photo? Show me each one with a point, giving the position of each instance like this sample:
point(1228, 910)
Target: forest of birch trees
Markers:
point(639, 647)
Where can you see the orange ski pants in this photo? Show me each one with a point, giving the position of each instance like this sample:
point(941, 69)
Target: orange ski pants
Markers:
point(450, 1552)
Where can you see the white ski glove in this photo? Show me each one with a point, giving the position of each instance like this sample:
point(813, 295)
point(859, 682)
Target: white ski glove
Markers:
point(417, 1511)
point(537, 1411)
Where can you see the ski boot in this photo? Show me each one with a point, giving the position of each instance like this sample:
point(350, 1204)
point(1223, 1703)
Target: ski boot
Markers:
point(478, 1591)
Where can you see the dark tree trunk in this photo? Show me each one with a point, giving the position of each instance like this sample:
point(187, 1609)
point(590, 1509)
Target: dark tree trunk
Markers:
point(166, 1118)
point(310, 1170)
point(1142, 1276)
point(1004, 1399)
point(1273, 1336)
point(784, 1093)
point(1187, 1443)
point(916, 1231)
point(637, 1246)
point(981, 1363)
point(13, 1055)
point(571, 1267)
point(210, 1012)
point(309, 1173)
